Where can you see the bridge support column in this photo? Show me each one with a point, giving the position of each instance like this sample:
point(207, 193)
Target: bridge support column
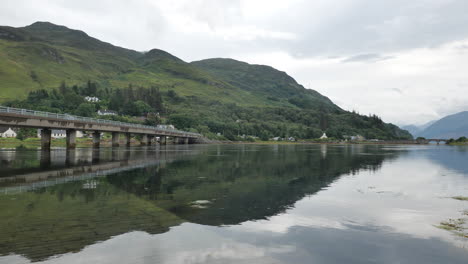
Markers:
point(162, 140)
point(144, 140)
point(45, 161)
point(115, 139)
point(71, 139)
point(186, 140)
point(128, 139)
point(46, 138)
point(96, 139)
point(70, 157)
point(150, 139)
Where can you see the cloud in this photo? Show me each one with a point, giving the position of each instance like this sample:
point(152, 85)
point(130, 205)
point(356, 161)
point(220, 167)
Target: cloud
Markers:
point(396, 90)
point(366, 58)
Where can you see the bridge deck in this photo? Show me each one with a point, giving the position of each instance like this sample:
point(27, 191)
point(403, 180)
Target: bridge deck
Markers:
point(15, 117)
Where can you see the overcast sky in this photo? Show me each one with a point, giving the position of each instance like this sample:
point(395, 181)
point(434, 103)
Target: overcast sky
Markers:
point(406, 61)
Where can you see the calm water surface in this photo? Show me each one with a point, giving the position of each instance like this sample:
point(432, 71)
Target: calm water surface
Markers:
point(233, 204)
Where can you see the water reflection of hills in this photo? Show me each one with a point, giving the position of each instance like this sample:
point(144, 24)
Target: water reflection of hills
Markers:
point(235, 183)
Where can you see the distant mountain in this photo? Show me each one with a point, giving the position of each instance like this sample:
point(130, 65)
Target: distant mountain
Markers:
point(210, 96)
point(416, 130)
point(452, 126)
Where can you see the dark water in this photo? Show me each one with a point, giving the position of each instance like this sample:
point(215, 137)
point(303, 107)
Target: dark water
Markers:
point(233, 204)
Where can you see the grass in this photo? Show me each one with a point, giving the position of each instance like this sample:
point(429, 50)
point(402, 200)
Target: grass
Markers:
point(458, 226)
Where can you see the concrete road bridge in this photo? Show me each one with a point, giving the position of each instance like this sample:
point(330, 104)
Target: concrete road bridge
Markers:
point(14, 117)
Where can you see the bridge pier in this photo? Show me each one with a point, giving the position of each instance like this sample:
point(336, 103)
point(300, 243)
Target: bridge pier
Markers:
point(115, 139)
point(128, 139)
point(46, 138)
point(45, 161)
point(186, 140)
point(96, 139)
point(162, 140)
point(71, 139)
point(70, 157)
point(150, 139)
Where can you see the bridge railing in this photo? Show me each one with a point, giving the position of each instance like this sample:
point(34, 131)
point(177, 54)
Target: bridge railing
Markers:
point(27, 112)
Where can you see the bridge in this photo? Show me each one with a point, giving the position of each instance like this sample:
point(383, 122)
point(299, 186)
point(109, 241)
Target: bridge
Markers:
point(429, 140)
point(14, 117)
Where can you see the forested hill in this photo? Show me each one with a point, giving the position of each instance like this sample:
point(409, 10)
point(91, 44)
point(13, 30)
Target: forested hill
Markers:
point(53, 68)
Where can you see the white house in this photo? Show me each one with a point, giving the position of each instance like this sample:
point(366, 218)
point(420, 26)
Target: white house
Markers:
point(324, 136)
point(165, 127)
point(57, 133)
point(7, 132)
point(106, 112)
point(92, 99)
point(357, 138)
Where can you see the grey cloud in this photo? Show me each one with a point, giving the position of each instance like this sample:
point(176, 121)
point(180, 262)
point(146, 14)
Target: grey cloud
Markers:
point(366, 58)
point(214, 13)
point(396, 90)
point(377, 27)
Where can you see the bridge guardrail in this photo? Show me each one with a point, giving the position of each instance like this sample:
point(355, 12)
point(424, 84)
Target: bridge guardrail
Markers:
point(26, 112)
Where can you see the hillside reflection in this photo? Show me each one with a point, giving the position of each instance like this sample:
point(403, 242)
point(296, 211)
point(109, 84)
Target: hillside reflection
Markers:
point(63, 202)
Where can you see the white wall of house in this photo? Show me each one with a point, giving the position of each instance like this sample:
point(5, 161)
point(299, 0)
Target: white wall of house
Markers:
point(8, 134)
point(60, 133)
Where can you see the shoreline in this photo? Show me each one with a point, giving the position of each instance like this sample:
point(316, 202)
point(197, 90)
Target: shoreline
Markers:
point(35, 143)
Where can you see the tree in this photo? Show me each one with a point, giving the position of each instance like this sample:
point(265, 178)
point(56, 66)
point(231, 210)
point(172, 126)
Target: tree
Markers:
point(182, 121)
point(91, 88)
point(152, 119)
point(141, 108)
point(24, 133)
point(86, 109)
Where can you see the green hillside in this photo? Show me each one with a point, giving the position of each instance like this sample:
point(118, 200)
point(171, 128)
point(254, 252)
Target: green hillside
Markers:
point(52, 68)
point(266, 82)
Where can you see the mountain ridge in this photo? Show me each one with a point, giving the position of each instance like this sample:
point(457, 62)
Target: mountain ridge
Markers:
point(451, 126)
point(211, 96)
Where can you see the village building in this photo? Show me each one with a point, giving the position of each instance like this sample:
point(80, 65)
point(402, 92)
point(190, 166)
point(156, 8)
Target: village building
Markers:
point(357, 138)
point(106, 112)
point(7, 132)
point(59, 133)
point(92, 99)
point(171, 127)
point(324, 136)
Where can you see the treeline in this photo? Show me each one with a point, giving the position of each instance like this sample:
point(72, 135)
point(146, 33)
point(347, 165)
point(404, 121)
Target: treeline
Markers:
point(232, 121)
point(212, 118)
point(460, 140)
point(130, 101)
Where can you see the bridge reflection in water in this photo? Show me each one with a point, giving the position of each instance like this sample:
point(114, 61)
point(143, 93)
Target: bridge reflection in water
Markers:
point(75, 202)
